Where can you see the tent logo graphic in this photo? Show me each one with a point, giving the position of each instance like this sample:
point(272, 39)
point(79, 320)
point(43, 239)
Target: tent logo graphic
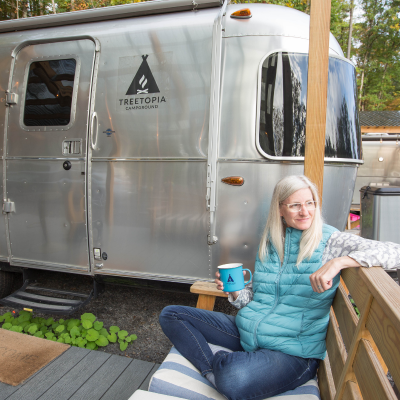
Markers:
point(143, 82)
point(230, 279)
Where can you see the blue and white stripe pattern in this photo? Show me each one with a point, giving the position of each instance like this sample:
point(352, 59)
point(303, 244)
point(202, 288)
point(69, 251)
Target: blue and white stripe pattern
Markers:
point(179, 378)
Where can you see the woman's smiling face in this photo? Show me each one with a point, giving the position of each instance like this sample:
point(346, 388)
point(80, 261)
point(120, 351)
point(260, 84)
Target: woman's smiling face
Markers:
point(298, 219)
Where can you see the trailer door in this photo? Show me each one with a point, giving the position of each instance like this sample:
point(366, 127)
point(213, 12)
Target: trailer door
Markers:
point(45, 193)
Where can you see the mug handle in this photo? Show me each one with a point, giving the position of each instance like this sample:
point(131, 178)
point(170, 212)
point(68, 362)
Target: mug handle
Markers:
point(245, 269)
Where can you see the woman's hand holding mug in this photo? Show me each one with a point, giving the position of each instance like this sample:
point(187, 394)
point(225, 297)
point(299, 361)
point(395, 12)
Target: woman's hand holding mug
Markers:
point(229, 277)
point(220, 285)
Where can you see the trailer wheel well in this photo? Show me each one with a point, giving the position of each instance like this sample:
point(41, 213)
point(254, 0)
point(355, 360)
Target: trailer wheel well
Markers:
point(6, 283)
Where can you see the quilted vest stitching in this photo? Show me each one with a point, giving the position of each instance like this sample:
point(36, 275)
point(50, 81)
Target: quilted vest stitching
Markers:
point(285, 314)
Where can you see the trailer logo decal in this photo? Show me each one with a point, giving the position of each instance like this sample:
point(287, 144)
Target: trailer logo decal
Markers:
point(143, 82)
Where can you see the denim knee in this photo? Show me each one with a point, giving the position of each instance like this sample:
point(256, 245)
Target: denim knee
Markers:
point(229, 376)
point(166, 315)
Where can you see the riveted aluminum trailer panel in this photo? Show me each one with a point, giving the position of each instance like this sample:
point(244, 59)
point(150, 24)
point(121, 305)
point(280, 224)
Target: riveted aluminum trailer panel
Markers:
point(162, 106)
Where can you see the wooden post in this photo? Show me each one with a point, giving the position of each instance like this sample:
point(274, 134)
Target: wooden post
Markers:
point(317, 90)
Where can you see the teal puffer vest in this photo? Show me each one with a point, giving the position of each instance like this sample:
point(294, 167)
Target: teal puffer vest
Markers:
point(286, 314)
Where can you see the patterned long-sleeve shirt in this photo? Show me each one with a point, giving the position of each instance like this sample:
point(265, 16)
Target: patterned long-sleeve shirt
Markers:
point(368, 253)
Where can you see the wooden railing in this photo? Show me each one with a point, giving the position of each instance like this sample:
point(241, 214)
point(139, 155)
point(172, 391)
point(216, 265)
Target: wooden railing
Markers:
point(362, 349)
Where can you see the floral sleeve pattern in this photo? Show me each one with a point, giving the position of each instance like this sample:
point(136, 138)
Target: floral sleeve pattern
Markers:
point(244, 298)
point(368, 253)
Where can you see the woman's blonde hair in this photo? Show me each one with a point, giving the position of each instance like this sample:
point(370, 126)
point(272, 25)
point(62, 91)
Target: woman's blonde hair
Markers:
point(275, 227)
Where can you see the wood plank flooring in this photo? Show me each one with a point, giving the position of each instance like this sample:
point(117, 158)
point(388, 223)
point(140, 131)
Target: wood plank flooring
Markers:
point(84, 374)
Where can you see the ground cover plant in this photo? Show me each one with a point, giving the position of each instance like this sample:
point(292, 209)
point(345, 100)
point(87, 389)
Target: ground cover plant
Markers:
point(87, 332)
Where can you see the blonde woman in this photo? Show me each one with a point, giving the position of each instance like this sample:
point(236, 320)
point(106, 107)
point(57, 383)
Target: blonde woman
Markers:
point(278, 337)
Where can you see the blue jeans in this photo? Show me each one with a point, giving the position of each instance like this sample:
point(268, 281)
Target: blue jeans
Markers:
point(239, 375)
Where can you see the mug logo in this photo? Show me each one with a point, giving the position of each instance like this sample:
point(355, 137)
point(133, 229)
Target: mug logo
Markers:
point(230, 279)
point(143, 82)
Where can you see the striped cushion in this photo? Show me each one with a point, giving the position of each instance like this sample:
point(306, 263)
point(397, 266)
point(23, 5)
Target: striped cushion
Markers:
point(178, 377)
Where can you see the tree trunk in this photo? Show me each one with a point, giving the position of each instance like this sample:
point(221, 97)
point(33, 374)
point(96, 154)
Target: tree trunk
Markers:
point(54, 6)
point(361, 88)
point(13, 14)
point(366, 57)
point(383, 79)
point(34, 8)
point(24, 9)
point(350, 29)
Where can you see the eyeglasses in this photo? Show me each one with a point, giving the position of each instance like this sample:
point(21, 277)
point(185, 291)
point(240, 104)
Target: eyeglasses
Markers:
point(296, 207)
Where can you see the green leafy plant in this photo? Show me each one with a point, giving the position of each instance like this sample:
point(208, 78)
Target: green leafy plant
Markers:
point(86, 333)
point(355, 307)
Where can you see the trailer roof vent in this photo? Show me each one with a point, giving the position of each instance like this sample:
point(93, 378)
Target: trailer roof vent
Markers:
point(244, 13)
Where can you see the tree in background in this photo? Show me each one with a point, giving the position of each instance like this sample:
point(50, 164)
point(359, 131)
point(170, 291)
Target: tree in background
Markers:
point(26, 8)
point(375, 43)
point(33, 8)
point(377, 55)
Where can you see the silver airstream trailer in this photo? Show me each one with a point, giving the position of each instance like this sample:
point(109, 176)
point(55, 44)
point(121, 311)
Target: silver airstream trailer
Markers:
point(381, 168)
point(144, 141)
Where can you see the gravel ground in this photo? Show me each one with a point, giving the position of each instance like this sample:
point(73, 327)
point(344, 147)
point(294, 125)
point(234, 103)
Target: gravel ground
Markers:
point(131, 308)
point(134, 309)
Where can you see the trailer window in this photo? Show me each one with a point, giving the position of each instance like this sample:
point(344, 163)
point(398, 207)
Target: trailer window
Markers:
point(49, 92)
point(284, 104)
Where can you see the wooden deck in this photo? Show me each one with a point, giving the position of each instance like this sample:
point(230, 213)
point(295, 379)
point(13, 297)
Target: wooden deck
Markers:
point(84, 374)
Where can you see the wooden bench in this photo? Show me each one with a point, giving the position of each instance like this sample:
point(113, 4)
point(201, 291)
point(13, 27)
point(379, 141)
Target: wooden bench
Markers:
point(360, 350)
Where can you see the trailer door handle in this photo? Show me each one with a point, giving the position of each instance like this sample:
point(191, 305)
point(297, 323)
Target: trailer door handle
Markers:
point(93, 144)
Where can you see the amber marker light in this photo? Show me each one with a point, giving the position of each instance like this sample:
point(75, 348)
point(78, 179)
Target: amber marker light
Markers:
point(244, 13)
point(233, 180)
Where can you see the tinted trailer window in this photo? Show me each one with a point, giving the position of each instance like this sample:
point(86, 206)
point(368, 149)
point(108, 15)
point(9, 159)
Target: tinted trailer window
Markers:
point(49, 90)
point(283, 108)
